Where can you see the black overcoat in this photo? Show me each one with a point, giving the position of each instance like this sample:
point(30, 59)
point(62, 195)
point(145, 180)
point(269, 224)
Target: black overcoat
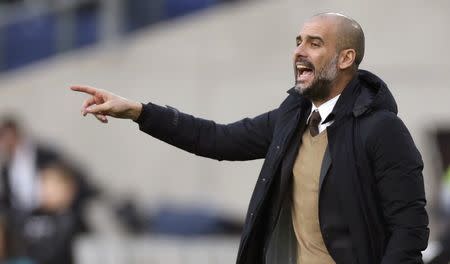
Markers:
point(371, 160)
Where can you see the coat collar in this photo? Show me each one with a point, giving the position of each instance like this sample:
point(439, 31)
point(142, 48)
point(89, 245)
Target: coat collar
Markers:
point(343, 105)
point(364, 92)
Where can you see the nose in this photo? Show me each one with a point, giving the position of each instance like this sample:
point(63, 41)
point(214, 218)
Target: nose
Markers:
point(300, 51)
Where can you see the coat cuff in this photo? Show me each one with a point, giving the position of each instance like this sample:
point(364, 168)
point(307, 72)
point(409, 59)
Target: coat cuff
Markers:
point(156, 119)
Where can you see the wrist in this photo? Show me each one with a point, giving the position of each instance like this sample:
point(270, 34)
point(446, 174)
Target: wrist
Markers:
point(136, 110)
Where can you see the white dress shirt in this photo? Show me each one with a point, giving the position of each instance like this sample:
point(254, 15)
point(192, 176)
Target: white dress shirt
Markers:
point(324, 111)
point(23, 178)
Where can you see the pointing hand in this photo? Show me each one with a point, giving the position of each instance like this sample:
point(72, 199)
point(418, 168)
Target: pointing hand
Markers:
point(102, 103)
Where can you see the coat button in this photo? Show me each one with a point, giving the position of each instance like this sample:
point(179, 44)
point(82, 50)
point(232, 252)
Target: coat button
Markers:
point(251, 214)
point(264, 179)
point(278, 147)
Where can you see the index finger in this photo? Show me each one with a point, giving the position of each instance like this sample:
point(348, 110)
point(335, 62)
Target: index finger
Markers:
point(84, 89)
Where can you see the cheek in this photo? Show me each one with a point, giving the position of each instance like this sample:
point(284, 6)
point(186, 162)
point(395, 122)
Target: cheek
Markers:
point(318, 64)
point(323, 57)
point(323, 63)
point(317, 59)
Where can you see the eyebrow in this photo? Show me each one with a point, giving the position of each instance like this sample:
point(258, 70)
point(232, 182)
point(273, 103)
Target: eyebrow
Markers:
point(310, 37)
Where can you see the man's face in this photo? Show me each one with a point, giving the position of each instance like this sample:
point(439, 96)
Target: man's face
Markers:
point(315, 59)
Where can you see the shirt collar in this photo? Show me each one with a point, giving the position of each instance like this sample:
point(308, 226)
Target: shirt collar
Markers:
point(325, 109)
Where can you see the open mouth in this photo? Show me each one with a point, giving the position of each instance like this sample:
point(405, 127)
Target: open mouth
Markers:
point(304, 73)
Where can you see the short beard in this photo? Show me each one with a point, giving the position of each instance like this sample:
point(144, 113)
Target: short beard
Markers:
point(320, 88)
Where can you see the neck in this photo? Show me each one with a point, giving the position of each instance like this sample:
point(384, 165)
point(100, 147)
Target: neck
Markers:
point(337, 86)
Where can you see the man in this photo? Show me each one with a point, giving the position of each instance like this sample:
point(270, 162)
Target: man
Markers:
point(21, 162)
point(342, 179)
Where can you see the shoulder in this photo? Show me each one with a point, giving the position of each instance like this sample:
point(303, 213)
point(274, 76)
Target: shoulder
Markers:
point(384, 130)
point(380, 121)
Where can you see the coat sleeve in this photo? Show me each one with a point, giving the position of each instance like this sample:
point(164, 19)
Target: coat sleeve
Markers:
point(246, 139)
point(398, 168)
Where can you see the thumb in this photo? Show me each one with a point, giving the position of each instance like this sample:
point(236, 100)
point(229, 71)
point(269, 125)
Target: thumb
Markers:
point(99, 109)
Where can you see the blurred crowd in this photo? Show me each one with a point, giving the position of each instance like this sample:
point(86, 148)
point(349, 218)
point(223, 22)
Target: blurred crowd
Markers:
point(42, 199)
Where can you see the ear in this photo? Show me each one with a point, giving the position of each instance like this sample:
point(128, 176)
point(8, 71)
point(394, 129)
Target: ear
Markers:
point(346, 58)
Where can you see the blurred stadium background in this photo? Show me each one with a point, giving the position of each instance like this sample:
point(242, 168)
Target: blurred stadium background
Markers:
point(208, 58)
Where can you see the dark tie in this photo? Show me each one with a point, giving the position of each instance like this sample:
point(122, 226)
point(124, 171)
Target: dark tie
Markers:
point(314, 122)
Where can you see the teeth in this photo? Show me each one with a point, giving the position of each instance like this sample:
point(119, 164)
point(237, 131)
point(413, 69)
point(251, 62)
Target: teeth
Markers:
point(301, 67)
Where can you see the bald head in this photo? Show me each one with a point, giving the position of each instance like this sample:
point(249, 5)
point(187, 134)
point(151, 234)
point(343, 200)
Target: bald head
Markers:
point(349, 34)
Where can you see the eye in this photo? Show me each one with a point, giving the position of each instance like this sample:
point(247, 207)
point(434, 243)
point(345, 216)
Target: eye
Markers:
point(298, 42)
point(315, 44)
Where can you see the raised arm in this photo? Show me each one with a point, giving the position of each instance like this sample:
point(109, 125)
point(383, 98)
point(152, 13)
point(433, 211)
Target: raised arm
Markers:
point(246, 139)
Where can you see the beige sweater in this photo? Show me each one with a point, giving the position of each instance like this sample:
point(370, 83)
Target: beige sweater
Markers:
point(305, 211)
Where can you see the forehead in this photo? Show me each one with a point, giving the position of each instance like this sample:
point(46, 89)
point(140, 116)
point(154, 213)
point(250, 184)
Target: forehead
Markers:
point(319, 26)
